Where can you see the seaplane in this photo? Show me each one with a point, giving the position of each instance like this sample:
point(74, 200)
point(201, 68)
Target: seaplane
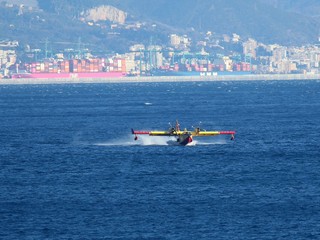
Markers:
point(183, 137)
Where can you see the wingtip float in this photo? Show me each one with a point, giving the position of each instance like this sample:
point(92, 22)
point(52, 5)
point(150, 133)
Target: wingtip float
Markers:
point(183, 137)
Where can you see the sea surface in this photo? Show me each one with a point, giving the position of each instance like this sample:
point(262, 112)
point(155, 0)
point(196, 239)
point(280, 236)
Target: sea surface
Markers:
point(70, 168)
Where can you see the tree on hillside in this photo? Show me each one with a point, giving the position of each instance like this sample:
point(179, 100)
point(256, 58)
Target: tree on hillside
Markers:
point(71, 7)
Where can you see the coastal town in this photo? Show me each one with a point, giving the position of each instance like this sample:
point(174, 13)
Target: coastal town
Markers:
point(180, 55)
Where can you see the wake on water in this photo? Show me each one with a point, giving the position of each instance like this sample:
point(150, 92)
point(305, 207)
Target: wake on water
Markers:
point(157, 141)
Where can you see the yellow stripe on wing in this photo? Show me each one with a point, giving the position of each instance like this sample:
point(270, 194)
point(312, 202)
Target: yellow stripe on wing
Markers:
point(205, 134)
point(167, 133)
point(160, 133)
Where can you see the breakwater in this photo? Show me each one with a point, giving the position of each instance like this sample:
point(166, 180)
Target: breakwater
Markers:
point(251, 77)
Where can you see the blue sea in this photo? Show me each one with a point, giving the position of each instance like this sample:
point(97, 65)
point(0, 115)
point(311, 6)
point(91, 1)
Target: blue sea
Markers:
point(70, 168)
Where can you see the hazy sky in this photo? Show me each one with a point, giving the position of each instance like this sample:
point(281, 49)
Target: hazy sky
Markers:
point(31, 3)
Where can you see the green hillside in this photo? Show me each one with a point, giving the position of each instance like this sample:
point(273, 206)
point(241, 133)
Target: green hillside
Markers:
point(285, 22)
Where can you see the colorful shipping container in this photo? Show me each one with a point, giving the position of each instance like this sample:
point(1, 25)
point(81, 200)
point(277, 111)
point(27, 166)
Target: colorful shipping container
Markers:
point(78, 66)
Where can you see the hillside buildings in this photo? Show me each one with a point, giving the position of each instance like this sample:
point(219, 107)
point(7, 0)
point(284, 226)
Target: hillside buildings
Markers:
point(214, 55)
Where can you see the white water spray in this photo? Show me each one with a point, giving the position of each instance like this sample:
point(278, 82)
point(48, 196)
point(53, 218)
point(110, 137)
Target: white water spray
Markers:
point(145, 140)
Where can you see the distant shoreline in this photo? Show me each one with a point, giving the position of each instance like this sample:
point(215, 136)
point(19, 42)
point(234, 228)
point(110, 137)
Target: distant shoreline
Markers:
point(251, 77)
